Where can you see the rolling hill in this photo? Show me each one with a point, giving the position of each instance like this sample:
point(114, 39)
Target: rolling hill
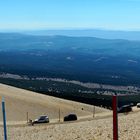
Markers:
point(19, 102)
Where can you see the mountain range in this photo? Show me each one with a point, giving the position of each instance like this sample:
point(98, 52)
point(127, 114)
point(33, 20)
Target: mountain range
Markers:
point(86, 59)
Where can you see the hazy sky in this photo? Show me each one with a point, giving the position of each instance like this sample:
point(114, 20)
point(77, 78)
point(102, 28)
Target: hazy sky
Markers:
point(48, 14)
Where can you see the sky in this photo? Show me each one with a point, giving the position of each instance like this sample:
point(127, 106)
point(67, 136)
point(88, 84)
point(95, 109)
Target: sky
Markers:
point(69, 14)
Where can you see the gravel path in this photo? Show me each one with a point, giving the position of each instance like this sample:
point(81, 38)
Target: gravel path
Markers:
point(97, 129)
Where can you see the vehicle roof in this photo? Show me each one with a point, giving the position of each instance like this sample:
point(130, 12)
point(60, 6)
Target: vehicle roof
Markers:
point(43, 116)
point(71, 114)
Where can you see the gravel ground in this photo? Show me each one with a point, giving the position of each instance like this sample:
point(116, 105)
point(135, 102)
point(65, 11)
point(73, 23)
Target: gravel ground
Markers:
point(97, 129)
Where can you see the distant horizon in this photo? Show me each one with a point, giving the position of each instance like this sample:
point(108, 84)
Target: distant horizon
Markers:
point(69, 29)
point(81, 32)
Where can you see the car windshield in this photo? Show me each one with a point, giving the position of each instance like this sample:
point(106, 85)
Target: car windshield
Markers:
point(42, 117)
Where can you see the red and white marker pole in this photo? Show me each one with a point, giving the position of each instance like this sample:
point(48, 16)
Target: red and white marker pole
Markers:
point(115, 117)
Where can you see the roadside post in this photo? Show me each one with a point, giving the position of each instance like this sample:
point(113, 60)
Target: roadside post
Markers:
point(59, 115)
point(93, 111)
point(115, 117)
point(4, 119)
point(27, 114)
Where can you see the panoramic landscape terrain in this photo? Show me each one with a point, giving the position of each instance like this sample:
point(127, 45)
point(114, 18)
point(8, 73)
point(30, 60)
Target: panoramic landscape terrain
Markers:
point(56, 75)
point(70, 70)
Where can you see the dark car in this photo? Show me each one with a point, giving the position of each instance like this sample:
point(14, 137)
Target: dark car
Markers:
point(70, 117)
point(42, 119)
point(125, 108)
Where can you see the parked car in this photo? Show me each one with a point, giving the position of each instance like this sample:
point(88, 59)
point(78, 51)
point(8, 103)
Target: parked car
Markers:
point(125, 108)
point(70, 117)
point(42, 119)
point(138, 105)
